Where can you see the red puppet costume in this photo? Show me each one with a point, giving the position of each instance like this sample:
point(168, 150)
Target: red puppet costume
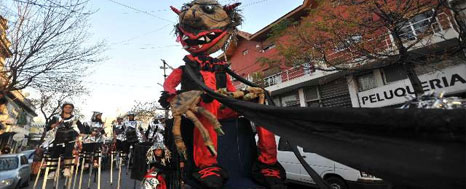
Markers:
point(204, 28)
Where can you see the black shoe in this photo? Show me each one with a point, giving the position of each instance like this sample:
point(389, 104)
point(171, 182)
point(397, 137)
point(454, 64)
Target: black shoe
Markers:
point(211, 177)
point(271, 176)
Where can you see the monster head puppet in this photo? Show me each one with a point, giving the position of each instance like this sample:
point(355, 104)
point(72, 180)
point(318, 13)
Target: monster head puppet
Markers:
point(205, 26)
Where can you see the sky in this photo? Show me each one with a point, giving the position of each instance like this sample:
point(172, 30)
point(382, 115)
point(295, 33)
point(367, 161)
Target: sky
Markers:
point(138, 34)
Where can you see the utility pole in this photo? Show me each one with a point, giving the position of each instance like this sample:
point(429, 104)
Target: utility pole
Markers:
point(177, 177)
point(165, 66)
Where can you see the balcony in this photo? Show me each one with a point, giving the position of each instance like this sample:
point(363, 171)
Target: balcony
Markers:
point(289, 74)
point(416, 32)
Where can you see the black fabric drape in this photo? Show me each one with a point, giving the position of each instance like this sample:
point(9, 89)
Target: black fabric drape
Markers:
point(416, 147)
point(312, 173)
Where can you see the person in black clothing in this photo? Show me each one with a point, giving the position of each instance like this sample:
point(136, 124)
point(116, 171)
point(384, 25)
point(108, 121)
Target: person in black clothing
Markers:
point(62, 132)
point(159, 165)
point(6, 150)
point(119, 136)
point(93, 135)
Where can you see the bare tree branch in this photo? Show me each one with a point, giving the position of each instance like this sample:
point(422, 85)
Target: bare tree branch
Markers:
point(49, 40)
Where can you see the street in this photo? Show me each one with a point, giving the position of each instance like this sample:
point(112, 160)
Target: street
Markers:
point(126, 182)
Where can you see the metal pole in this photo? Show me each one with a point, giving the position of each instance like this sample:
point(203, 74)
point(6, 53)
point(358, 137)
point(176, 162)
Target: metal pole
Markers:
point(164, 67)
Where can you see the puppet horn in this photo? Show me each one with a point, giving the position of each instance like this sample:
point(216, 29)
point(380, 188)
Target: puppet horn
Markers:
point(231, 7)
point(175, 10)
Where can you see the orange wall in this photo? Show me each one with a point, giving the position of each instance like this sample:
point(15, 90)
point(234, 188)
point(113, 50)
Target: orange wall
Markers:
point(246, 64)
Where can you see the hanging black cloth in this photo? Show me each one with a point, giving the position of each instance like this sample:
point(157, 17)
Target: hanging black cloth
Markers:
point(415, 147)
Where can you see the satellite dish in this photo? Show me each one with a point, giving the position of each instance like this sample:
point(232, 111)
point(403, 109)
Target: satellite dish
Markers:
point(18, 137)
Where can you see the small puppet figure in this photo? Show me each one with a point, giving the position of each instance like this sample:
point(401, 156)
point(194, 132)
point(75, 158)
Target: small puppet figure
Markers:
point(158, 160)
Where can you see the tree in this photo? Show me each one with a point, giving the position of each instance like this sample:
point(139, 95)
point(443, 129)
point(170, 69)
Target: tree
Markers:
point(53, 96)
point(145, 111)
point(354, 35)
point(49, 41)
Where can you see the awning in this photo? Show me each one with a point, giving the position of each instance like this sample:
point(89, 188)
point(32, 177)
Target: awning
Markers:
point(16, 129)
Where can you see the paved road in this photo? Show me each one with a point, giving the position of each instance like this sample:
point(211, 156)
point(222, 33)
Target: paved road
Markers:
point(126, 182)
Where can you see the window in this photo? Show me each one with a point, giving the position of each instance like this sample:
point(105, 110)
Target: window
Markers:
point(347, 43)
point(268, 47)
point(8, 163)
point(417, 25)
point(290, 99)
point(283, 145)
point(245, 52)
point(366, 82)
point(24, 160)
point(394, 73)
point(311, 95)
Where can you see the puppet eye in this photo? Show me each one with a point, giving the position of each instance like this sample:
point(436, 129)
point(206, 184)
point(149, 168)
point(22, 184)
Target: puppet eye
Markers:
point(185, 7)
point(209, 9)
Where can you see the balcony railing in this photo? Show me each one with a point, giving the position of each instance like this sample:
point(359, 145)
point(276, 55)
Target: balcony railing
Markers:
point(413, 29)
point(288, 74)
point(411, 32)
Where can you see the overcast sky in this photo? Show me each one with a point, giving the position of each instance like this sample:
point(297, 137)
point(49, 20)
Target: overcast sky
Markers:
point(139, 33)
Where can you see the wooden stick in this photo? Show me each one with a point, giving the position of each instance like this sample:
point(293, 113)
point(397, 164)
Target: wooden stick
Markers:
point(91, 166)
point(44, 182)
point(76, 172)
point(99, 170)
point(38, 174)
point(119, 172)
point(70, 179)
point(57, 173)
point(82, 171)
point(111, 168)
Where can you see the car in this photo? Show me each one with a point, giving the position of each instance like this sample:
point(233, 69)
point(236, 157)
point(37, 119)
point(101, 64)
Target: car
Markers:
point(29, 155)
point(337, 175)
point(15, 171)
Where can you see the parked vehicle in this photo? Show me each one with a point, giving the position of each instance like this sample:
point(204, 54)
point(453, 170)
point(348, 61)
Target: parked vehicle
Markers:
point(14, 171)
point(337, 175)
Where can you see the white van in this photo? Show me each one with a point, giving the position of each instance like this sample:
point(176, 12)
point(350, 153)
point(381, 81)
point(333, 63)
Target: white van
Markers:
point(338, 176)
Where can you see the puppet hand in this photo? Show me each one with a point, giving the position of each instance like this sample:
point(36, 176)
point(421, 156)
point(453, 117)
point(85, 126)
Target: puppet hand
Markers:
point(224, 92)
point(253, 93)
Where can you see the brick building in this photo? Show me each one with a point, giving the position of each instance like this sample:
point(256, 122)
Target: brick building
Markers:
point(386, 86)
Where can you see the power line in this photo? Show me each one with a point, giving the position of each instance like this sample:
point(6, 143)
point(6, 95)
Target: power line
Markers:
point(253, 3)
point(138, 36)
point(119, 85)
point(141, 11)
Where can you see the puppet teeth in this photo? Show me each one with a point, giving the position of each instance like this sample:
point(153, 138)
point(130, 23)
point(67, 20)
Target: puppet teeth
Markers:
point(207, 39)
point(202, 38)
point(213, 33)
point(200, 46)
point(185, 37)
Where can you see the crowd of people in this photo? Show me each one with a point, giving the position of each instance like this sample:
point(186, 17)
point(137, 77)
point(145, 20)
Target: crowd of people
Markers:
point(69, 138)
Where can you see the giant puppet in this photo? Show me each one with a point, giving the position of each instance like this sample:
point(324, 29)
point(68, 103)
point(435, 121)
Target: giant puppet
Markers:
point(204, 28)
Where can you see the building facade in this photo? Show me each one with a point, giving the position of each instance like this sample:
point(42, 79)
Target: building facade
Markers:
point(16, 112)
point(385, 86)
